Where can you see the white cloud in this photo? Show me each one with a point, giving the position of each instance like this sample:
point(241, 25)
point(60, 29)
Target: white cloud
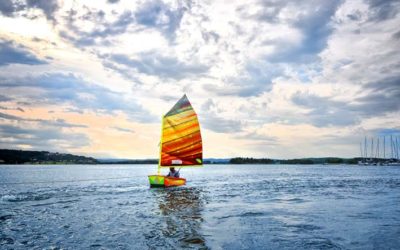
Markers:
point(283, 79)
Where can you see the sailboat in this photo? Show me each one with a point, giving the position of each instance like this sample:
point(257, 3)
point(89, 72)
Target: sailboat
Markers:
point(181, 144)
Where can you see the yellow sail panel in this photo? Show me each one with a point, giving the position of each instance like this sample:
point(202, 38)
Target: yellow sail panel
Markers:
point(181, 142)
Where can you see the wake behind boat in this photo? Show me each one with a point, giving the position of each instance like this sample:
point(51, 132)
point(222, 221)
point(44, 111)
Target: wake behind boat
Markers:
point(181, 143)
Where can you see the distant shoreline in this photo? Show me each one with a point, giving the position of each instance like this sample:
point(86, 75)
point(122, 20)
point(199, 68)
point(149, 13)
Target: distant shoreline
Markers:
point(17, 157)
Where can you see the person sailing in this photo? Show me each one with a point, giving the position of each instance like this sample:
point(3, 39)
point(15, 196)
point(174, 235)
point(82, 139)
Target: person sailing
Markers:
point(173, 173)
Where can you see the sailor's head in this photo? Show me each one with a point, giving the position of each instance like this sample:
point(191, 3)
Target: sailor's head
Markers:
point(172, 169)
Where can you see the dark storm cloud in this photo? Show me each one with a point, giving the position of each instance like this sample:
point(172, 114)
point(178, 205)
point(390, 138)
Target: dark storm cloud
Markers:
point(69, 89)
point(112, 1)
point(380, 10)
point(11, 53)
point(154, 64)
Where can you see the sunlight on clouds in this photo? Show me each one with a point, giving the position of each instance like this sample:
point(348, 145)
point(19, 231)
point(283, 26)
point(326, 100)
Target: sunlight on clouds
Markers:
point(22, 27)
point(141, 42)
point(138, 141)
point(279, 79)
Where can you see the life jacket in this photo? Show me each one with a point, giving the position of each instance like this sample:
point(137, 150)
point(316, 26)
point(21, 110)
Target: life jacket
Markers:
point(173, 174)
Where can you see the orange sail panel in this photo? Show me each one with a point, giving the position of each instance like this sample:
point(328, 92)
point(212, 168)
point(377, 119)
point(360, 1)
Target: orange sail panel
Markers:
point(181, 143)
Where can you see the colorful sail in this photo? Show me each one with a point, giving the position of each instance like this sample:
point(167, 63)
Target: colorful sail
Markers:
point(181, 143)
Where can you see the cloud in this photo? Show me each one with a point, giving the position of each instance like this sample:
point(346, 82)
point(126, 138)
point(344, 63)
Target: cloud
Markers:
point(43, 138)
point(382, 96)
point(324, 111)
point(4, 98)
point(57, 123)
point(125, 130)
point(47, 6)
point(221, 125)
point(40, 134)
point(161, 16)
point(378, 98)
point(325, 67)
point(258, 138)
point(218, 123)
point(9, 117)
point(155, 64)
point(11, 53)
point(106, 26)
point(255, 79)
point(69, 89)
point(381, 10)
point(314, 23)
point(396, 35)
point(10, 8)
point(102, 29)
point(60, 123)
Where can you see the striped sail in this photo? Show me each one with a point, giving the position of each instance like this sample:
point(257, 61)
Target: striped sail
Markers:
point(181, 143)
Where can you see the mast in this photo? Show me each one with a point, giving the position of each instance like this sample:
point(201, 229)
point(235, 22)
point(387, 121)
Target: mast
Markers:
point(377, 148)
point(161, 142)
point(361, 151)
point(398, 149)
point(391, 146)
point(372, 148)
point(384, 148)
point(365, 148)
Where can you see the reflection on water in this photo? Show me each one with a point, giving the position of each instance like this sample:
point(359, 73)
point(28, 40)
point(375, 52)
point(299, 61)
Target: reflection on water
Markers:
point(181, 210)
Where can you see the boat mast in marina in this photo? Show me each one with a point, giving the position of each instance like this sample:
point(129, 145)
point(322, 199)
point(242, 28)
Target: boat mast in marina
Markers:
point(384, 147)
point(377, 149)
point(365, 148)
point(375, 157)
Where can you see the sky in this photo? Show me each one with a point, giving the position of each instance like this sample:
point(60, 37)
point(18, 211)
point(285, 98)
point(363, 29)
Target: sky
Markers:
point(276, 79)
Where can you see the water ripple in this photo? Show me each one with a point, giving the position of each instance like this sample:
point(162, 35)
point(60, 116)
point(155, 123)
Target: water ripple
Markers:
point(221, 207)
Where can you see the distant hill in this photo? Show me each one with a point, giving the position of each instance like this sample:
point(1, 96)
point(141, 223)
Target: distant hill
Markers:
point(11, 156)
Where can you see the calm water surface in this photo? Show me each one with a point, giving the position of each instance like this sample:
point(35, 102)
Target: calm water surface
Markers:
point(221, 207)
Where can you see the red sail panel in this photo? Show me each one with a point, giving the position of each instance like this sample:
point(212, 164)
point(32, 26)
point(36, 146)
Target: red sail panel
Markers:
point(181, 143)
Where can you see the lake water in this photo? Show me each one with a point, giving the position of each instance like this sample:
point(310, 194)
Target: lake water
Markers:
point(221, 207)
